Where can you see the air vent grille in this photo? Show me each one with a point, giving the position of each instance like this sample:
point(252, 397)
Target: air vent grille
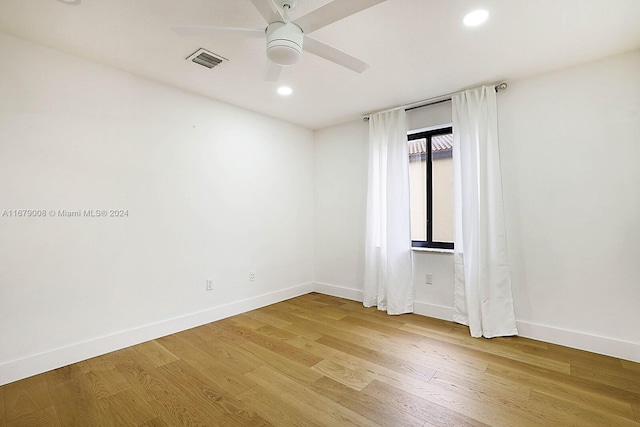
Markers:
point(206, 59)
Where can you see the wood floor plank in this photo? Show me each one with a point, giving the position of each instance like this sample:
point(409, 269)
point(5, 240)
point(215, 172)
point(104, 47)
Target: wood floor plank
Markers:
point(230, 356)
point(327, 299)
point(332, 312)
point(230, 381)
point(247, 322)
point(331, 328)
point(106, 383)
point(324, 410)
point(76, 405)
point(565, 387)
point(274, 410)
point(95, 364)
point(281, 320)
point(136, 369)
point(318, 360)
point(43, 417)
point(156, 353)
point(311, 314)
point(295, 370)
point(376, 411)
point(275, 346)
point(418, 407)
point(272, 331)
point(378, 372)
point(200, 334)
point(220, 408)
point(580, 414)
point(358, 329)
point(378, 328)
point(177, 412)
point(330, 388)
point(357, 335)
point(3, 412)
point(403, 366)
point(629, 383)
point(435, 353)
point(306, 304)
point(476, 399)
point(156, 422)
point(480, 389)
point(303, 330)
point(357, 379)
point(629, 365)
point(431, 323)
point(160, 395)
point(127, 408)
point(434, 335)
point(396, 322)
point(26, 397)
point(61, 376)
point(267, 319)
point(498, 347)
point(185, 350)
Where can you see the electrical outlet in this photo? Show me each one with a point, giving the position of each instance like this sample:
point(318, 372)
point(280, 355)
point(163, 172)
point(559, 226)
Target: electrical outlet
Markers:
point(428, 279)
point(252, 276)
point(209, 284)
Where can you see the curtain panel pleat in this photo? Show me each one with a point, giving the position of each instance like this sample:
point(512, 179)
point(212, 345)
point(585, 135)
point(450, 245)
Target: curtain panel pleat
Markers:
point(388, 275)
point(483, 298)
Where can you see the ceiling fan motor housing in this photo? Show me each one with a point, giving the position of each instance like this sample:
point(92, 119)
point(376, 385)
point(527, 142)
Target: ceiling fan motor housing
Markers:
point(284, 43)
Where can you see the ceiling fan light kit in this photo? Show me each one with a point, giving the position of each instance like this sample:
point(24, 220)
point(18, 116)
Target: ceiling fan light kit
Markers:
point(284, 43)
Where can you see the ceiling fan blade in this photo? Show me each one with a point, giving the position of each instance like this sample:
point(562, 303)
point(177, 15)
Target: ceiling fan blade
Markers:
point(334, 55)
point(332, 12)
point(197, 30)
point(269, 10)
point(272, 71)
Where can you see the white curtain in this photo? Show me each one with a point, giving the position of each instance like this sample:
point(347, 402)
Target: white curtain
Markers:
point(483, 298)
point(388, 275)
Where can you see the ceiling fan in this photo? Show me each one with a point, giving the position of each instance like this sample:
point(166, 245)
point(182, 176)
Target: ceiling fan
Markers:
point(286, 39)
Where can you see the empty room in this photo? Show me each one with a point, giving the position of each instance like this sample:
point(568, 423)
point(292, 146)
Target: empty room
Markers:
point(319, 213)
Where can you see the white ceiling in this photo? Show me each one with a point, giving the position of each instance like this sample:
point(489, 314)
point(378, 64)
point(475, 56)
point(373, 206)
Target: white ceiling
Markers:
point(417, 48)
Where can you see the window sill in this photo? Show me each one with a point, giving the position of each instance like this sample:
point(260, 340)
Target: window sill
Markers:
point(433, 250)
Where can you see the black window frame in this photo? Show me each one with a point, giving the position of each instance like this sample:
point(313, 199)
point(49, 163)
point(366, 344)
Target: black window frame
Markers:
point(428, 134)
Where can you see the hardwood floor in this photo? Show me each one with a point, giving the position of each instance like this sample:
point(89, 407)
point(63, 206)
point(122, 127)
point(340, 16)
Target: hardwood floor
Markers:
point(317, 360)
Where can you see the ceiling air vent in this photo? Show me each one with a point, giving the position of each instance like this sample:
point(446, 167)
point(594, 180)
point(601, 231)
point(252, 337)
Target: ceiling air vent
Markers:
point(206, 58)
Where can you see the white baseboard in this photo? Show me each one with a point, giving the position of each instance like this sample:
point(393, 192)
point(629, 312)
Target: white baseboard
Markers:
point(38, 363)
point(580, 340)
point(422, 308)
point(338, 291)
point(432, 310)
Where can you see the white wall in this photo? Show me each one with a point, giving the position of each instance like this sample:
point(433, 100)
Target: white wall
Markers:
point(340, 164)
point(570, 144)
point(212, 191)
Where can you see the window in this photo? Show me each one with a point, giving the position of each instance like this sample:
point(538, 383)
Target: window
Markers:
point(431, 188)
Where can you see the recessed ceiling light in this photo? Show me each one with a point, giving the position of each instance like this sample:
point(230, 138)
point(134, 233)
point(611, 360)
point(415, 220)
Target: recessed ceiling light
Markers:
point(285, 91)
point(475, 18)
point(71, 2)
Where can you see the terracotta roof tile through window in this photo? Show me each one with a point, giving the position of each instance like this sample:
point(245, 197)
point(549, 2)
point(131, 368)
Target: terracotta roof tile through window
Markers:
point(439, 142)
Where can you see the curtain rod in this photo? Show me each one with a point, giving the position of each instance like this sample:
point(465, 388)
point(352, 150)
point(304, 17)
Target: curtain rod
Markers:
point(431, 101)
